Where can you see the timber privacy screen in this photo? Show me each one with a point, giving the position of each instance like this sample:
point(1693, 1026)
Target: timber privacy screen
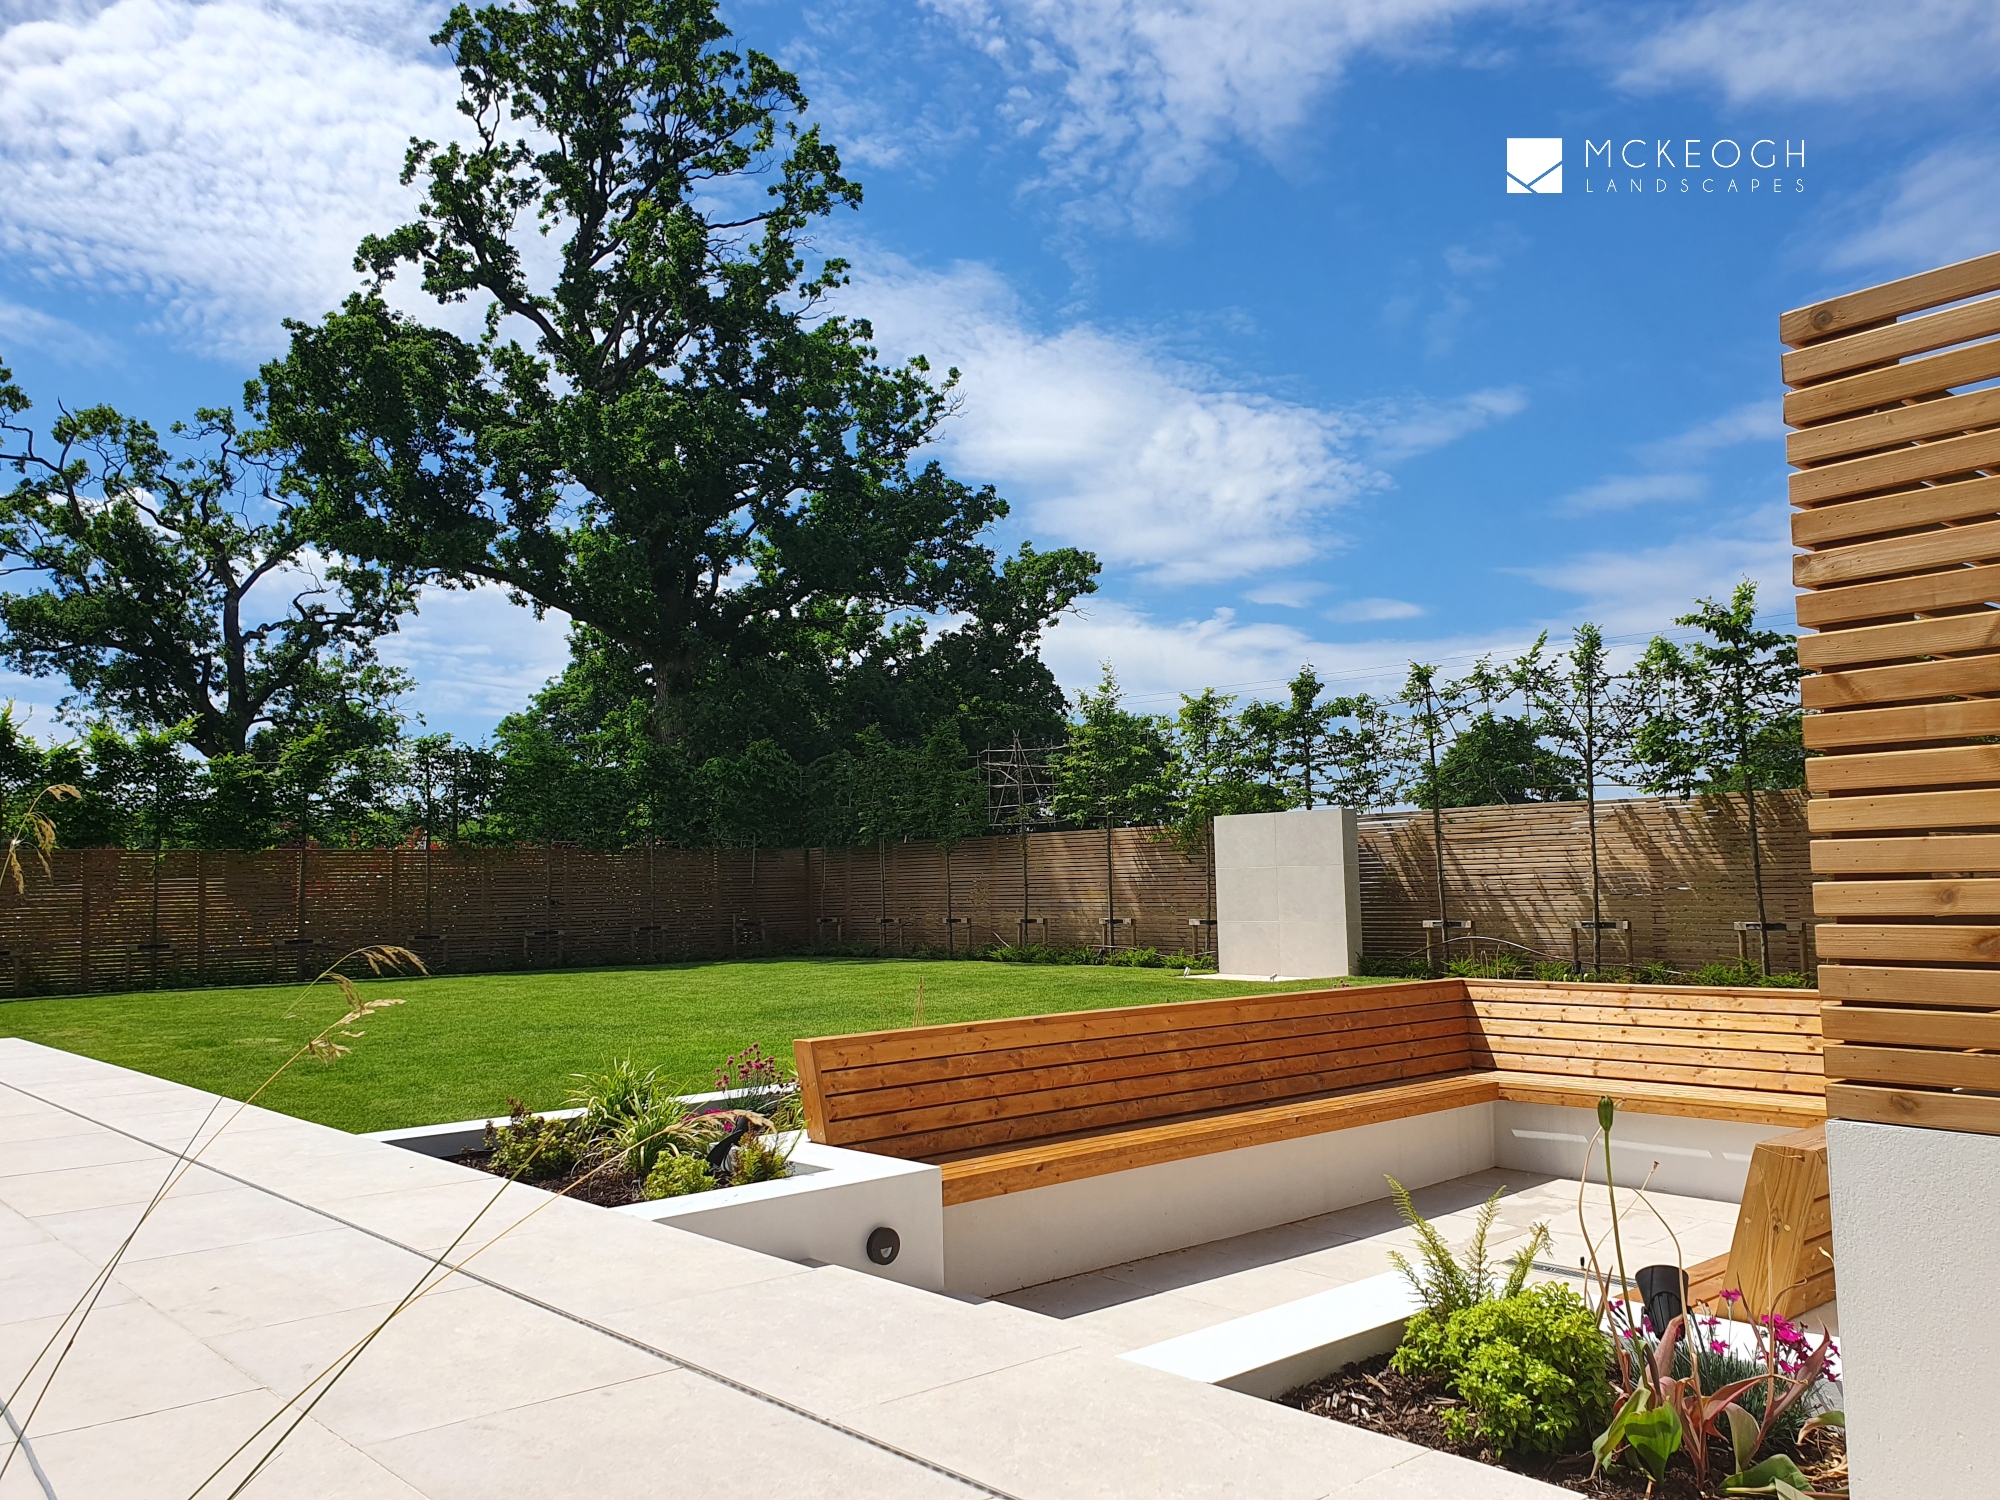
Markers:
point(1897, 505)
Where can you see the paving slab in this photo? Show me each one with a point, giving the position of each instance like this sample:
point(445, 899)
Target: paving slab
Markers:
point(579, 1351)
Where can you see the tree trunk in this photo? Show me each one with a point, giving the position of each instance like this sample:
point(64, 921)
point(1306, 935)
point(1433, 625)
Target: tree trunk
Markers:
point(1437, 849)
point(1757, 881)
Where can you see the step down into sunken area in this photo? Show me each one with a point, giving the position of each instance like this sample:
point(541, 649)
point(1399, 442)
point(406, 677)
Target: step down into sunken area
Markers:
point(584, 1352)
point(1070, 1142)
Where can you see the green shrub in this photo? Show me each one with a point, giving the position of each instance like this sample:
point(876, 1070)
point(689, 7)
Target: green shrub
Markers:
point(758, 1159)
point(1531, 1369)
point(533, 1149)
point(676, 1176)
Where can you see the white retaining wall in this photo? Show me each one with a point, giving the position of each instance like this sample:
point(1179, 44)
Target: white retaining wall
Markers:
point(1000, 1244)
point(995, 1245)
point(835, 1198)
point(1916, 1231)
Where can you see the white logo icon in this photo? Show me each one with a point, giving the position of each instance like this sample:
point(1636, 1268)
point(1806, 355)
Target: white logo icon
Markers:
point(1534, 164)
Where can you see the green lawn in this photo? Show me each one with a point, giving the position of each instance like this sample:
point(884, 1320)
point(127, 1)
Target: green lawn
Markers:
point(464, 1043)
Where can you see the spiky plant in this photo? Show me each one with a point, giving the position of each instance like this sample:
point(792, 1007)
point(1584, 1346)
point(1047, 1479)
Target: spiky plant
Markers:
point(1447, 1284)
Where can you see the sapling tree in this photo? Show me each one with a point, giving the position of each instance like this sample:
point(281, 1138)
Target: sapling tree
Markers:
point(1435, 708)
point(1305, 723)
point(1117, 768)
point(1214, 775)
point(1722, 715)
point(1589, 712)
point(1361, 752)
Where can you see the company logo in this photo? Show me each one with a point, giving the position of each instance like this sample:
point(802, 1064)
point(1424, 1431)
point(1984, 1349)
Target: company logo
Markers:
point(1534, 164)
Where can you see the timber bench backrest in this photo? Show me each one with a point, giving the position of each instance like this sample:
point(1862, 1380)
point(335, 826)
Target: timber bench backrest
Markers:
point(936, 1091)
point(1756, 1040)
point(931, 1091)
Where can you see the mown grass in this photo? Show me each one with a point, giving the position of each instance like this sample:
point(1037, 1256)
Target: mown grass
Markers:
point(464, 1043)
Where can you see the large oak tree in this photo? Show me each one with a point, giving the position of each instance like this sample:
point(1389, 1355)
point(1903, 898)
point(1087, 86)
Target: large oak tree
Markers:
point(665, 431)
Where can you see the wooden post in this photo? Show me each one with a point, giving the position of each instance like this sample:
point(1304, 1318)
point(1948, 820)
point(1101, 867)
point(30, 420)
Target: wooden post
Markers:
point(200, 917)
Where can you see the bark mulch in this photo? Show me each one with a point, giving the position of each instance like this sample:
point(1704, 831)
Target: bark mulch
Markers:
point(1411, 1407)
point(611, 1188)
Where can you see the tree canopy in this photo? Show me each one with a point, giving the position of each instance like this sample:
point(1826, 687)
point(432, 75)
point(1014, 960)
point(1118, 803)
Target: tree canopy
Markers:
point(170, 581)
point(666, 430)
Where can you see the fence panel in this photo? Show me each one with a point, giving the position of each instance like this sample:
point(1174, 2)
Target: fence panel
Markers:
point(107, 919)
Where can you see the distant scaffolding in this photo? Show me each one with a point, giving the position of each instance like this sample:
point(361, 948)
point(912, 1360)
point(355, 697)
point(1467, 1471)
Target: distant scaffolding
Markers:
point(1020, 786)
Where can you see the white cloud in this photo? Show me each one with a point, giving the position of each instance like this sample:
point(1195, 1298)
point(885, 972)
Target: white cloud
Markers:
point(1366, 610)
point(1625, 491)
point(476, 657)
point(1157, 658)
point(1108, 441)
point(1784, 50)
point(1643, 590)
point(1753, 422)
point(1290, 593)
point(1134, 100)
point(1400, 430)
point(1943, 208)
point(28, 327)
point(220, 160)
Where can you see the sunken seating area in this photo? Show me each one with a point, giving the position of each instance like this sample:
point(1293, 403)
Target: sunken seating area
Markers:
point(1003, 1106)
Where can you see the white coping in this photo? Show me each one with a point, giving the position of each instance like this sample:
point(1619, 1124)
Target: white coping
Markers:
point(1270, 1352)
point(578, 1352)
point(1916, 1225)
point(822, 1212)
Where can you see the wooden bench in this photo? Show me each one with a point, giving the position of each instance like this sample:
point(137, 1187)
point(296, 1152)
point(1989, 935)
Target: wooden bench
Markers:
point(1007, 1105)
point(1781, 1259)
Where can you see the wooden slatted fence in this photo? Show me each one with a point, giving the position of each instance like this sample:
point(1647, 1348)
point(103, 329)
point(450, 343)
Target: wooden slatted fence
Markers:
point(108, 919)
point(1897, 511)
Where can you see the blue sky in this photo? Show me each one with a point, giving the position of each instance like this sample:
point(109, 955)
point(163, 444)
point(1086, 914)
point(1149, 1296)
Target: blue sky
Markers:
point(1239, 297)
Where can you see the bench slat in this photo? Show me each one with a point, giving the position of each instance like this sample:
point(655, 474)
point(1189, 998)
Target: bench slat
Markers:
point(904, 1045)
point(992, 1067)
point(1177, 1068)
point(991, 1174)
point(1009, 1131)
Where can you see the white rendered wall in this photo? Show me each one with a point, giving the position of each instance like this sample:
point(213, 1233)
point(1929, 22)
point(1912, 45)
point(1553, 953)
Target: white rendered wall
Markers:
point(1916, 1238)
point(825, 1212)
point(1000, 1244)
point(1698, 1158)
point(1288, 893)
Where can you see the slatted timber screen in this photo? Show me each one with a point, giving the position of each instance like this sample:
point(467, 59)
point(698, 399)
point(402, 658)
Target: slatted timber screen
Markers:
point(1896, 510)
point(937, 1090)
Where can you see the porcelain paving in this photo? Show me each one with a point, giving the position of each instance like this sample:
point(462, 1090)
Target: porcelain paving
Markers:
point(549, 1366)
point(836, 1339)
point(448, 1356)
point(1149, 1301)
point(1049, 1424)
point(126, 1360)
point(669, 1434)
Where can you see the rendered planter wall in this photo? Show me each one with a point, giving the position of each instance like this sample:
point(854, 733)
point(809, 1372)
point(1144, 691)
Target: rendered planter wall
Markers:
point(824, 1211)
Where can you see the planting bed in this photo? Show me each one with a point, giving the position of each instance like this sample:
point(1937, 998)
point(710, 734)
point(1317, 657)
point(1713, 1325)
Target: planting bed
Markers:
point(613, 1187)
point(1369, 1394)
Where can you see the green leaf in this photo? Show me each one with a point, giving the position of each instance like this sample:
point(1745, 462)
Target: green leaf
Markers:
point(1654, 1437)
point(1776, 1475)
point(1742, 1435)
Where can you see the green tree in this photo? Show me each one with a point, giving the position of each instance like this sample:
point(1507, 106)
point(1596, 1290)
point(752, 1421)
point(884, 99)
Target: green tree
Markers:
point(1722, 715)
point(670, 436)
point(1305, 726)
point(1588, 712)
point(1116, 769)
point(171, 581)
point(1435, 708)
point(1213, 775)
point(1361, 752)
